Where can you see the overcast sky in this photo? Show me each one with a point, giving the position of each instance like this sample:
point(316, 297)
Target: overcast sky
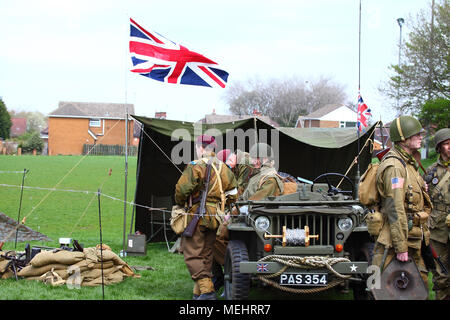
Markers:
point(53, 50)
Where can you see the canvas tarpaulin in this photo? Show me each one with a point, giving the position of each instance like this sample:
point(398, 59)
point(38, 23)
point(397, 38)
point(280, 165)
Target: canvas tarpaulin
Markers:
point(8, 230)
point(305, 153)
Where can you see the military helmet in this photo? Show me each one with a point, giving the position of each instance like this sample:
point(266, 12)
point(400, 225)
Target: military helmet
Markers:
point(441, 136)
point(404, 127)
point(261, 150)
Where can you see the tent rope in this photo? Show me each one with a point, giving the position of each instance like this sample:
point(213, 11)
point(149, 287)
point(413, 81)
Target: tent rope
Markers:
point(59, 182)
point(356, 158)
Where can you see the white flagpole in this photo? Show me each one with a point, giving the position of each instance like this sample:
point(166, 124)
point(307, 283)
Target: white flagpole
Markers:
point(126, 159)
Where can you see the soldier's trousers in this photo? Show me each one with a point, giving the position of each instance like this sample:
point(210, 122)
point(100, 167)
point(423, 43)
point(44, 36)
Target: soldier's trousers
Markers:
point(441, 281)
point(197, 252)
point(377, 259)
point(220, 245)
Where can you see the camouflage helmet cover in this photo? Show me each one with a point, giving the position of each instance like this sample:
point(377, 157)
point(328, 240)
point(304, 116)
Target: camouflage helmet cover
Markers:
point(441, 136)
point(404, 127)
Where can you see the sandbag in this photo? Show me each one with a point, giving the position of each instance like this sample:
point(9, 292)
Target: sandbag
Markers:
point(93, 256)
point(95, 273)
point(31, 271)
point(3, 265)
point(107, 280)
point(61, 257)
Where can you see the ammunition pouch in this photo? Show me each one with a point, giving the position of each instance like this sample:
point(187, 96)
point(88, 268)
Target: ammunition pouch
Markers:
point(178, 219)
point(420, 218)
point(374, 221)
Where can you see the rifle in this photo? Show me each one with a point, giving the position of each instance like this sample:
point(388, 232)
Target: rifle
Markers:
point(429, 255)
point(438, 259)
point(190, 229)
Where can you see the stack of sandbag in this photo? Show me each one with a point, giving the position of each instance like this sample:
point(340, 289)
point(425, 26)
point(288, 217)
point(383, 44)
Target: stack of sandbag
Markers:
point(82, 268)
point(5, 271)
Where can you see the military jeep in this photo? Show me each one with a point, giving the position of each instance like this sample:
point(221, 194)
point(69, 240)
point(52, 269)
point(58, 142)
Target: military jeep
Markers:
point(308, 241)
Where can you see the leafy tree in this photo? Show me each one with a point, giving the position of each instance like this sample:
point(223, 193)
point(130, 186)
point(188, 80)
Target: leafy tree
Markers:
point(283, 100)
point(423, 73)
point(436, 112)
point(5, 121)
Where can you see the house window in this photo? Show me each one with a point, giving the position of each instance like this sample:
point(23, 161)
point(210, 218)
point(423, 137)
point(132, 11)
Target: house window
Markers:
point(94, 122)
point(350, 124)
point(341, 124)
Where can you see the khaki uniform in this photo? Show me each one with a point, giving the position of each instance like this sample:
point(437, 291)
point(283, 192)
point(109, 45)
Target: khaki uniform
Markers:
point(264, 184)
point(197, 250)
point(243, 170)
point(439, 191)
point(403, 199)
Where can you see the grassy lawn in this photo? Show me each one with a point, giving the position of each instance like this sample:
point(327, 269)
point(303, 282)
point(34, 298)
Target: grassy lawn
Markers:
point(75, 214)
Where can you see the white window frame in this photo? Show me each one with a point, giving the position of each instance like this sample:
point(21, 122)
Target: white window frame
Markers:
point(95, 123)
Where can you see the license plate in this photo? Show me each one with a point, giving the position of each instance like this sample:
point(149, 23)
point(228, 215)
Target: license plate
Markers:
point(304, 279)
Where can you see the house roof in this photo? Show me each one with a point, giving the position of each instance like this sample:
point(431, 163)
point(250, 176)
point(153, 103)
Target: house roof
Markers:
point(92, 110)
point(319, 113)
point(18, 127)
point(221, 118)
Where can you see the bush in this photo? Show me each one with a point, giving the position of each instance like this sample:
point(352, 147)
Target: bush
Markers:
point(31, 141)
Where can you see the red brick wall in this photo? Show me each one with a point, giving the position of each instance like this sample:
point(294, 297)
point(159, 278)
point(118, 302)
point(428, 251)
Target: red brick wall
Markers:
point(66, 136)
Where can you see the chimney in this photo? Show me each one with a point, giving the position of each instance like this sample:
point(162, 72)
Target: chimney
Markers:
point(160, 115)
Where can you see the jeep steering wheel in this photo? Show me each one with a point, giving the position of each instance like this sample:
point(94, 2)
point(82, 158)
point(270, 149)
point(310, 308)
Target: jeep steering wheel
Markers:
point(332, 190)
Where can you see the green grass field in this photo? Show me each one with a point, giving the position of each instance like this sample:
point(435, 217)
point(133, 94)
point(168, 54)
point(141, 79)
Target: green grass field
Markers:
point(66, 212)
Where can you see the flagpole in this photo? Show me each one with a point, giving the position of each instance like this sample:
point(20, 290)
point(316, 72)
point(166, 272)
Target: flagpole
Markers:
point(357, 176)
point(126, 162)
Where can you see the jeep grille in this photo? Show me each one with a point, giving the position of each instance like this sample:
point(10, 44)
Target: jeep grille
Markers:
point(323, 225)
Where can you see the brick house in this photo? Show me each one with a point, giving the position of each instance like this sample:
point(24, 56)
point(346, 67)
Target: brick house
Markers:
point(18, 127)
point(330, 116)
point(74, 124)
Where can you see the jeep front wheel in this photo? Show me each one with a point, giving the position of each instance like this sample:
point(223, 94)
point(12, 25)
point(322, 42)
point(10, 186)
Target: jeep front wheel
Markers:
point(237, 285)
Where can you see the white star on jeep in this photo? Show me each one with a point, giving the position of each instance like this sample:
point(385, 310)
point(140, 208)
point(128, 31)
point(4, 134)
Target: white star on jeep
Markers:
point(353, 268)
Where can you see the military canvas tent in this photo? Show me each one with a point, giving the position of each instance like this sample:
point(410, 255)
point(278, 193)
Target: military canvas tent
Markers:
point(166, 146)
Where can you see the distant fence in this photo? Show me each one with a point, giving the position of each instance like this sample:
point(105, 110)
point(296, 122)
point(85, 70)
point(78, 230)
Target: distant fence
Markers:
point(108, 150)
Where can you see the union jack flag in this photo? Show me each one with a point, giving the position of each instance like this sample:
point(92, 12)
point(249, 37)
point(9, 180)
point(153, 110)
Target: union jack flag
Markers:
point(262, 267)
point(363, 113)
point(161, 59)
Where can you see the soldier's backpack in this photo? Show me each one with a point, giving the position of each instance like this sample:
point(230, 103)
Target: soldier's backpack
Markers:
point(368, 196)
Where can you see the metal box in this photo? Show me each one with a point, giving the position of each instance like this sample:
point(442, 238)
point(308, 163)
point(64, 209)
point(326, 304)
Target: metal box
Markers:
point(136, 245)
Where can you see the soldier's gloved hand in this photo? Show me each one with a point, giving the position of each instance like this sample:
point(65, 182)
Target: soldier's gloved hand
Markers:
point(402, 256)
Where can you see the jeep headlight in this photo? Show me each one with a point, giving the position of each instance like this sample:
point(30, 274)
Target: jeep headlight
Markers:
point(262, 222)
point(345, 224)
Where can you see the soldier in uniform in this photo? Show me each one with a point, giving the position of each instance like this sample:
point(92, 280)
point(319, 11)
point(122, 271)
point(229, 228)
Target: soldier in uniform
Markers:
point(267, 182)
point(197, 250)
point(438, 179)
point(405, 205)
point(240, 164)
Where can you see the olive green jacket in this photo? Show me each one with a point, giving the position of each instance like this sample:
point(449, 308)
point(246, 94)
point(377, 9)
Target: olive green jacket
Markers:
point(439, 192)
point(403, 196)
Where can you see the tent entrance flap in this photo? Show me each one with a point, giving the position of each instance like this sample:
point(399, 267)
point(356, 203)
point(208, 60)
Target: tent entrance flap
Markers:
point(167, 146)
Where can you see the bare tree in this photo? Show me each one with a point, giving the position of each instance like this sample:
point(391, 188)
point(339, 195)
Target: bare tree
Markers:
point(283, 99)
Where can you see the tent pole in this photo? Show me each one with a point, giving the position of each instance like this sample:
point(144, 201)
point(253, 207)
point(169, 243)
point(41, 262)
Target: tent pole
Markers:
point(126, 175)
